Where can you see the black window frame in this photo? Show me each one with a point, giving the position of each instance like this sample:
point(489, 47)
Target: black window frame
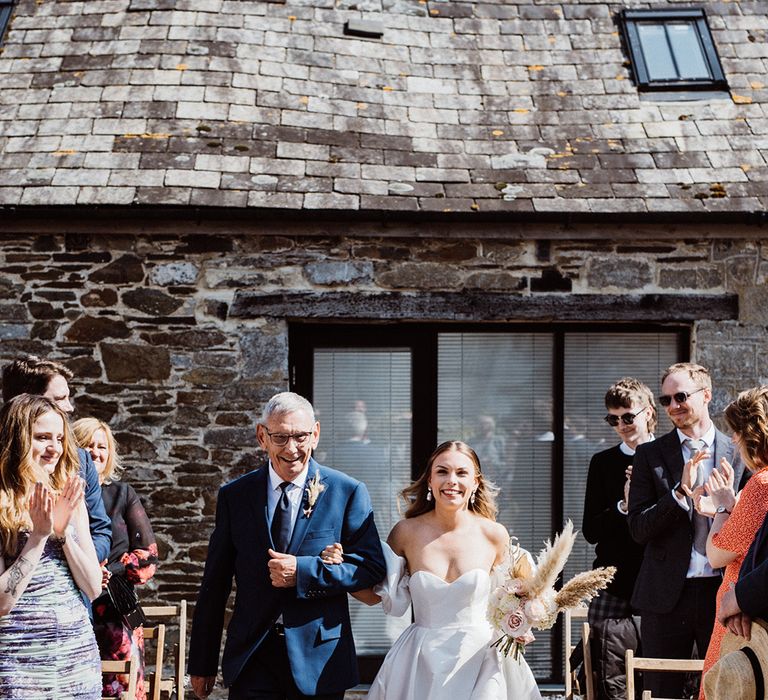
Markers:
point(629, 20)
point(304, 337)
point(6, 8)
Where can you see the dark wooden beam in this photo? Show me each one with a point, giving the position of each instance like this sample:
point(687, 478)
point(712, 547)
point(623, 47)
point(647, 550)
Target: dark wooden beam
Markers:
point(481, 306)
point(176, 221)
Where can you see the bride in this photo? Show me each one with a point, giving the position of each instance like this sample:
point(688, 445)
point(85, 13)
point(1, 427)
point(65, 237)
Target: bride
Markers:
point(445, 557)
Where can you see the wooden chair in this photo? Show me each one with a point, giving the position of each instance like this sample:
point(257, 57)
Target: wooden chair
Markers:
point(131, 667)
point(589, 691)
point(154, 678)
point(177, 614)
point(642, 663)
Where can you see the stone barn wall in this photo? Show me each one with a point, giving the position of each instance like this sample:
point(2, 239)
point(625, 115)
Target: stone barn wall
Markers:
point(166, 340)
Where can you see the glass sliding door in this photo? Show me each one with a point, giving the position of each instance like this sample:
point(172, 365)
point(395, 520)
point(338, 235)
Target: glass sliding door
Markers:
point(363, 402)
point(528, 399)
point(592, 362)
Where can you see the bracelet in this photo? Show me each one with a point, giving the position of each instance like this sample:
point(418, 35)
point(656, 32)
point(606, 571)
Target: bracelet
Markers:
point(61, 540)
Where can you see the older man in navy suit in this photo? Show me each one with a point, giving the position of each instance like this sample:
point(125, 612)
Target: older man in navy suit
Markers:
point(290, 635)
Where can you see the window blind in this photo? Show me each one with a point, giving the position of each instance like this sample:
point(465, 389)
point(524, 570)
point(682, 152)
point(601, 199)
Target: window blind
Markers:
point(495, 393)
point(363, 402)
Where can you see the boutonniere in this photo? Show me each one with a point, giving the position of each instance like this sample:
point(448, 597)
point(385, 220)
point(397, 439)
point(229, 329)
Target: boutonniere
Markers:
point(311, 494)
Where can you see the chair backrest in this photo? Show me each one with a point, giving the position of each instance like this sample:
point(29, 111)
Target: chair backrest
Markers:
point(644, 663)
point(130, 667)
point(154, 678)
point(169, 614)
point(579, 613)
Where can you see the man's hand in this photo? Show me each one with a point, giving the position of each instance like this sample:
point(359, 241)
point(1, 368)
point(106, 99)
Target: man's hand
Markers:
point(729, 606)
point(282, 569)
point(690, 472)
point(202, 685)
point(740, 625)
point(702, 503)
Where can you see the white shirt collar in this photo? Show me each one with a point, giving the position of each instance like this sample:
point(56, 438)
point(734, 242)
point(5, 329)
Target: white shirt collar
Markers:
point(275, 479)
point(708, 438)
point(626, 449)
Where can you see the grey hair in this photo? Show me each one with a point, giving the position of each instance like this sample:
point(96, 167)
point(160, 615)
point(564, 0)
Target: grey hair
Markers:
point(286, 402)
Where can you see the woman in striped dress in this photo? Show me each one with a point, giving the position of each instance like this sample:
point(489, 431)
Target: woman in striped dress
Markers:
point(47, 646)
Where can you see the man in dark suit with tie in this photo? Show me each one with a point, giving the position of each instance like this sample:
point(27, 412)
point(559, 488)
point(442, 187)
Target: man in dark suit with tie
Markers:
point(290, 635)
point(676, 587)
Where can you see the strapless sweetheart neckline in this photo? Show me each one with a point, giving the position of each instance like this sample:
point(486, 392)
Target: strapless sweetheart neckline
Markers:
point(449, 583)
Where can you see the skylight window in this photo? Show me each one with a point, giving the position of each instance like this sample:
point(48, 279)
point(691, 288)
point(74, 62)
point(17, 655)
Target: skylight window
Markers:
point(672, 50)
point(5, 14)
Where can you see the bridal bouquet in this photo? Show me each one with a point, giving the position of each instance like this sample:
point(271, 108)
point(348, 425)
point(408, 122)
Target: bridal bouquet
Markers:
point(527, 598)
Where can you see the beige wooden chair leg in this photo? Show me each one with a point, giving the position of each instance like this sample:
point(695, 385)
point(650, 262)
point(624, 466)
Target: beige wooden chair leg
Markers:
point(585, 641)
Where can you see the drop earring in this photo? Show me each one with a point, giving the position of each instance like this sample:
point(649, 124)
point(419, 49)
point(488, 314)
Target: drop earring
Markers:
point(429, 493)
point(472, 498)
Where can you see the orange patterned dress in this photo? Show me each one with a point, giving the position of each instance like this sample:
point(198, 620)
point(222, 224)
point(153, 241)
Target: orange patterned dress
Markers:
point(736, 535)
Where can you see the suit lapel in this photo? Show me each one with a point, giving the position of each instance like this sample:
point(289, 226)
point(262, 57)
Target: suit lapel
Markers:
point(673, 456)
point(302, 519)
point(258, 500)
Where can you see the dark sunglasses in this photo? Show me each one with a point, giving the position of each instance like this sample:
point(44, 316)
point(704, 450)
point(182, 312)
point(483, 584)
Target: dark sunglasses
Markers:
point(679, 397)
point(626, 418)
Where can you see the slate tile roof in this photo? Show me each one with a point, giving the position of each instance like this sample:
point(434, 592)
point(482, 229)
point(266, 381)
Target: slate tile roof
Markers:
point(523, 105)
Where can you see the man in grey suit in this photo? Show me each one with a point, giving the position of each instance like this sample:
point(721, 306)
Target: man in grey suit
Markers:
point(676, 587)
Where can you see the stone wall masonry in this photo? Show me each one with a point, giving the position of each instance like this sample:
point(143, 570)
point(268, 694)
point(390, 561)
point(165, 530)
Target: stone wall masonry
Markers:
point(147, 325)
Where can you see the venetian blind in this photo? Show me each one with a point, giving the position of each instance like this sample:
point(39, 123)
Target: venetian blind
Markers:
point(495, 393)
point(594, 361)
point(363, 402)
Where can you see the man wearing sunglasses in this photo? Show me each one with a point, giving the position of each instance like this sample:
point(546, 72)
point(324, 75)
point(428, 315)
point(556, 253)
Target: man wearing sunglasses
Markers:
point(632, 415)
point(290, 635)
point(676, 586)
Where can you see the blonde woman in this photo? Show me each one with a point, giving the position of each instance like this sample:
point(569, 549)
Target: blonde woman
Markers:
point(133, 554)
point(441, 559)
point(47, 646)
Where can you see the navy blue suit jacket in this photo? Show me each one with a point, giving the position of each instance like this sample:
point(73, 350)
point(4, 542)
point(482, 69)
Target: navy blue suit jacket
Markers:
point(100, 524)
point(318, 633)
point(752, 586)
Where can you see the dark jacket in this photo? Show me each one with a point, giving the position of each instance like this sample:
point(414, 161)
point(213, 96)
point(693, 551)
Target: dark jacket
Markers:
point(604, 526)
point(657, 521)
point(752, 586)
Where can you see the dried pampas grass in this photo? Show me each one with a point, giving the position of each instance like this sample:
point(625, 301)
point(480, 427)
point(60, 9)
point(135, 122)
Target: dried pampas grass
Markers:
point(584, 586)
point(551, 561)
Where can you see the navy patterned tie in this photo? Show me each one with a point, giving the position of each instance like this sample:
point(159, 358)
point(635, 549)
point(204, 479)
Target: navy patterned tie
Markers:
point(281, 520)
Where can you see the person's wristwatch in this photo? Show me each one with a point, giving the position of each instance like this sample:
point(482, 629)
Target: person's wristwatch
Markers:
point(678, 490)
point(722, 509)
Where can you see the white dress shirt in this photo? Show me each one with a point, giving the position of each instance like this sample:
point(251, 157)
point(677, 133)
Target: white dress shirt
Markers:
point(294, 491)
point(699, 565)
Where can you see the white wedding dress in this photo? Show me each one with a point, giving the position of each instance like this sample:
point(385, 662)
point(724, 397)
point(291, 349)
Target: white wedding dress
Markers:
point(446, 654)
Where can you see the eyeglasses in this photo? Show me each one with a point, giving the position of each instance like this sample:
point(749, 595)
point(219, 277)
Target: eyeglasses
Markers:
point(626, 418)
point(281, 439)
point(679, 397)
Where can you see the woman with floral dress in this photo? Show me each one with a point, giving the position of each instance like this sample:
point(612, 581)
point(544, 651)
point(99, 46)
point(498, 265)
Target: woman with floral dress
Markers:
point(133, 554)
point(737, 519)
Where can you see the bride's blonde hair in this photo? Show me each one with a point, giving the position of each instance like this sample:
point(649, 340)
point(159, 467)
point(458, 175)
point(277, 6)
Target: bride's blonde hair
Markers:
point(415, 495)
point(18, 473)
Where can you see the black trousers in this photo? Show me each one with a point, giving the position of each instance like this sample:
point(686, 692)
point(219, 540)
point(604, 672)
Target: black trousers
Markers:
point(673, 634)
point(267, 675)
